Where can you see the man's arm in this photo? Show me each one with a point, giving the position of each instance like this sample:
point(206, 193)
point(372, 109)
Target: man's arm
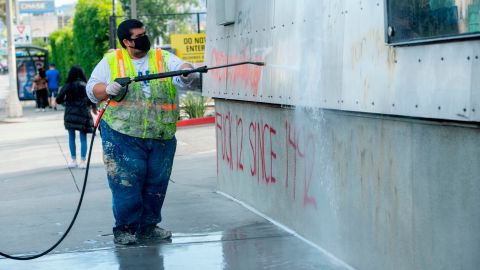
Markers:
point(175, 63)
point(97, 84)
point(100, 91)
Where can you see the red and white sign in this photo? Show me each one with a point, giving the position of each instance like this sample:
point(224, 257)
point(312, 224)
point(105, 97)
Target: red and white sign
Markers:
point(22, 34)
point(20, 28)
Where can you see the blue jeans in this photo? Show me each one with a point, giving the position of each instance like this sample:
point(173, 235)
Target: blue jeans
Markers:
point(73, 146)
point(138, 174)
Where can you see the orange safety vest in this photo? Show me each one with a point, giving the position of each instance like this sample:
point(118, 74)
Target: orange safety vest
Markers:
point(137, 115)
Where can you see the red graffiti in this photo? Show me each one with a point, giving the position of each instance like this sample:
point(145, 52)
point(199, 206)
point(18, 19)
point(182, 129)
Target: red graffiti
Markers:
point(253, 145)
point(218, 127)
point(290, 142)
point(297, 140)
point(262, 133)
point(239, 143)
point(261, 157)
point(270, 132)
point(246, 75)
point(224, 129)
point(227, 132)
point(260, 137)
point(219, 58)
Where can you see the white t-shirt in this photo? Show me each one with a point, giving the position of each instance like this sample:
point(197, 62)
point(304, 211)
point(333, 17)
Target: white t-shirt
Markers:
point(101, 74)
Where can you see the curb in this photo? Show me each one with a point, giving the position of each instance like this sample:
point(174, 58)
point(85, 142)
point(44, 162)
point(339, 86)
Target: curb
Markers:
point(196, 121)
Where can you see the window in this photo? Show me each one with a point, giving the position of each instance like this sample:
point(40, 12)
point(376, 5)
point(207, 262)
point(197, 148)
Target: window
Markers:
point(415, 21)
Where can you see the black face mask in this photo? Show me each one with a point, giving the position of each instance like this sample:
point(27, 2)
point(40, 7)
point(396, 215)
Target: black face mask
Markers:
point(142, 43)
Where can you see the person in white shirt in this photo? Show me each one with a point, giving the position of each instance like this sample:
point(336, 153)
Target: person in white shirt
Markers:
point(138, 131)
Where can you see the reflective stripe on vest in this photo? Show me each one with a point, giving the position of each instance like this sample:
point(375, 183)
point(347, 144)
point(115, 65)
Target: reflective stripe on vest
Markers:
point(165, 107)
point(159, 59)
point(121, 64)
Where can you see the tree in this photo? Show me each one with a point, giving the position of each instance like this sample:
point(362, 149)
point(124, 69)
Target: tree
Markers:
point(62, 50)
point(40, 43)
point(152, 14)
point(86, 41)
point(90, 32)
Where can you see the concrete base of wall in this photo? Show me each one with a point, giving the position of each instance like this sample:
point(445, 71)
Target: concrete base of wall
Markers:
point(376, 192)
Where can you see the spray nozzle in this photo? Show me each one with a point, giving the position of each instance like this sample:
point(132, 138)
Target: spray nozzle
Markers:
point(123, 81)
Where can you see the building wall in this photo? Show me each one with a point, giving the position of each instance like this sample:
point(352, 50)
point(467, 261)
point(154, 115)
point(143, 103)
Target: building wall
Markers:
point(333, 55)
point(377, 192)
point(334, 137)
point(41, 25)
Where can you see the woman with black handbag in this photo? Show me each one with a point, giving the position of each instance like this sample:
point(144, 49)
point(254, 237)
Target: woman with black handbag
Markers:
point(77, 113)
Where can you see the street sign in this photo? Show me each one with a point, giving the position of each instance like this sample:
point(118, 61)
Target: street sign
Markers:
point(189, 47)
point(36, 7)
point(22, 34)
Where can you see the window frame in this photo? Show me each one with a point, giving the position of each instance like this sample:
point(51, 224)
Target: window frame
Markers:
point(423, 40)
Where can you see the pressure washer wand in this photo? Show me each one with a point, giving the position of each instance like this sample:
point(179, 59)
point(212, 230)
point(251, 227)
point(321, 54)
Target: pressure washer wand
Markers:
point(125, 81)
point(204, 69)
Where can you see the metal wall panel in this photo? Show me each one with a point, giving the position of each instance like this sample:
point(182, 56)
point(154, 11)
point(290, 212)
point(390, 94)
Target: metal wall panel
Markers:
point(377, 192)
point(215, 82)
point(332, 54)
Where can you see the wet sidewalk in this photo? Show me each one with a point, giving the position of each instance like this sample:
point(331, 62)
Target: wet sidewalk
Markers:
point(210, 231)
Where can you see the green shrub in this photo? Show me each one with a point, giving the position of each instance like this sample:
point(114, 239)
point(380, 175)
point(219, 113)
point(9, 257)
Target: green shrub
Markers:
point(90, 32)
point(194, 105)
point(86, 41)
point(62, 51)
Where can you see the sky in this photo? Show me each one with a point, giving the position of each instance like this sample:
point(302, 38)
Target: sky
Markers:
point(64, 2)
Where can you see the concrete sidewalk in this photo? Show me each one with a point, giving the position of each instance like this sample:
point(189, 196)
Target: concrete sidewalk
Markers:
point(39, 196)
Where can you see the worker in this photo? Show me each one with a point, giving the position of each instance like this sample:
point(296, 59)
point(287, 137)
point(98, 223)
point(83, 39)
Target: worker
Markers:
point(138, 131)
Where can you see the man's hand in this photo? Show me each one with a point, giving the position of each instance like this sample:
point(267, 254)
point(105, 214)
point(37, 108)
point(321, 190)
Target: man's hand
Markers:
point(113, 89)
point(188, 79)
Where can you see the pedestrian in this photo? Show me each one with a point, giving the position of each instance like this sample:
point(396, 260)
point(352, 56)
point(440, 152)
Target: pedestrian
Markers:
point(40, 88)
point(77, 116)
point(138, 132)
point(53, 77)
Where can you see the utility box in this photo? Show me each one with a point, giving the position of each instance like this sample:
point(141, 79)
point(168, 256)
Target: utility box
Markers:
point(225, 12)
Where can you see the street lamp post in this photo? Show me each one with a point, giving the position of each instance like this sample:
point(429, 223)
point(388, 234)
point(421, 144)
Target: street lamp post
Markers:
point(113, 28)
point(133, 8)
point(13, 106)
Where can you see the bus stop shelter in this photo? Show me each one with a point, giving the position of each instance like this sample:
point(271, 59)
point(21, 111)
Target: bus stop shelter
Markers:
point(29, 59)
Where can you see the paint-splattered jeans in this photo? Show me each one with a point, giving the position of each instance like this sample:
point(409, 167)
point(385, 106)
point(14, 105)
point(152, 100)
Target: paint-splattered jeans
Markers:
point(138, 175)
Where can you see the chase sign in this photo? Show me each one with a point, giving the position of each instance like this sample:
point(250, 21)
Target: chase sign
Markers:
point(36, 7)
